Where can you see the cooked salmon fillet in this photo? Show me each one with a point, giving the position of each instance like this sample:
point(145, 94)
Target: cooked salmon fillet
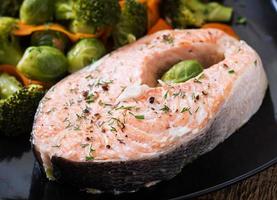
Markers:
point(114, 126)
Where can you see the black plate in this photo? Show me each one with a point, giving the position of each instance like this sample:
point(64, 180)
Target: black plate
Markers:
point(251, 149)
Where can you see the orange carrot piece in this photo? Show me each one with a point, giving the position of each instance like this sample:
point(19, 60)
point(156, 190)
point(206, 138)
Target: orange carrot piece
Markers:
point(153, 12)
point(11, 70)
point(225, 28)
point(25, 29)
point(160, 25)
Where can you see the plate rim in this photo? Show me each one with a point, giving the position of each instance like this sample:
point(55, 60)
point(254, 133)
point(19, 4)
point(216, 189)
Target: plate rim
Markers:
point(230, 182)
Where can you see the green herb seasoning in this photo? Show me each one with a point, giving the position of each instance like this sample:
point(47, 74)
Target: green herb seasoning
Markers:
point(231, 71)
point(84, 145)
point(140, 117)
point(165, 109)
point(166, 94)
point(90, 98)
point(113, 129)
point(125, 108)
point(90, 156)
point(168, 39)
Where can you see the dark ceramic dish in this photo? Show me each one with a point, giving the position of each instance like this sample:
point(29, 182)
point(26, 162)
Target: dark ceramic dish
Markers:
point(250, 150)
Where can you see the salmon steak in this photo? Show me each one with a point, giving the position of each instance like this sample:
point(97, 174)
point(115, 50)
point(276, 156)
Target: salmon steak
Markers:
point(114, 126)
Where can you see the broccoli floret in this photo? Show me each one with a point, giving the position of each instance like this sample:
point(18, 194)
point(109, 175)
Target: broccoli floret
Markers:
point(184, 13)
point(10, 7)
point(18, 110)
point(132, 23)
point(92, 15)
point(10, 52)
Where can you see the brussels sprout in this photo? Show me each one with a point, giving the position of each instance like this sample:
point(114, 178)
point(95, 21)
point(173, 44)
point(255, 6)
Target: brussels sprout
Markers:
point(85, 52)
point(8, 85)
point(183, 71)
point(50, 38)
point(10, 51)
point(43, 63)
point(37, 11)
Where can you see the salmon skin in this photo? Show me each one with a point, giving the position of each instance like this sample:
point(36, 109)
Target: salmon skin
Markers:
point(115, 127)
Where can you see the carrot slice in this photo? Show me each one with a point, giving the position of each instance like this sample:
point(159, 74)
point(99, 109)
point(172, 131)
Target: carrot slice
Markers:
point(226, 28)
point(11, 70)
point(160, 25)
point(153, 11)
point(25, 29)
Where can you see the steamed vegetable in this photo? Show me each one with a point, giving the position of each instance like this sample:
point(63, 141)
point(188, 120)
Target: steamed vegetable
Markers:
point(185, 13)
point(63, 9)
point(43, 64)
point(26, 30)
point(159, 26)
point(10, 52)
point(92, 15)
point(37, 11)
point(182, 71)
point(8, 85)
point(84, 53)
point(132, 23)
point(223, 27)
point(10, 8)
point(17, 106)
point(50, 38)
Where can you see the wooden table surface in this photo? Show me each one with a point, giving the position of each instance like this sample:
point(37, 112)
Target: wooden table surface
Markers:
point(262, 186)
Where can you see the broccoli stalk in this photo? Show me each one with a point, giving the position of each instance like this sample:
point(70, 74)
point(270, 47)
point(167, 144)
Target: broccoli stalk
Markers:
point(18, 105)
point(132, 23)
point(183, 13)
point(10, 52)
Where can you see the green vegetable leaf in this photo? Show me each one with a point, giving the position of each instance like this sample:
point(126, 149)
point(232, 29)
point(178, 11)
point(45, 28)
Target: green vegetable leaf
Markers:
point(183, 71)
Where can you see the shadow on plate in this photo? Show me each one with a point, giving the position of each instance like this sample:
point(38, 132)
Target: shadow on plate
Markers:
point(14, 147)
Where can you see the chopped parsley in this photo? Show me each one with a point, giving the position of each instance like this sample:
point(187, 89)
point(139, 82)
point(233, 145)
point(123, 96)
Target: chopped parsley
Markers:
point(166, 94)
point(77, 128)
point(196, 80)
point(84, 145)
point(90, 156)
point(165, 108)
point(125, 108)
point(140, 117)
point(90, 98)
point(231, 71)
point(113, 129)
point(168, 39)
point(186, 109)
